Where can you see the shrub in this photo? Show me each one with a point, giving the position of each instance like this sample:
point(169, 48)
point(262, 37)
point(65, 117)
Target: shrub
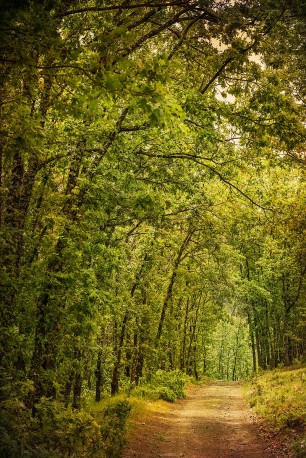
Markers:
point(56, 432)
point(146, 392)
point(166, 394)
point(174, 380)
point(154, 393)
point(164, 385)
point(20, 433)
point(113, 424)
point(279, 396)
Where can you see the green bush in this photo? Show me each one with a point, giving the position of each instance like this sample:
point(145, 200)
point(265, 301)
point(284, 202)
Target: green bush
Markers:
point(174, 380)
point(56, 432)
point(164, 385)
point(154, 393)
point(279, 396)
point(113, 424)
point(166, 394)
point(146, 392)
point(15, 424)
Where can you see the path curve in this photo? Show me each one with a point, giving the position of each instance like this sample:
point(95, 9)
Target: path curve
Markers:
point(212, 422)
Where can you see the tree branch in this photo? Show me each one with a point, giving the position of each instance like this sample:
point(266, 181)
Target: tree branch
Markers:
point(95, 9)
point(155, 32)
point(199, 160)
point(108, 142)
point(229, 60)
point(58, 66)
point(184, 34)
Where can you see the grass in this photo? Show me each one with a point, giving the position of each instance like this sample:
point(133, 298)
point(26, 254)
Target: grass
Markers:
point(142, 408)
point(279, 397)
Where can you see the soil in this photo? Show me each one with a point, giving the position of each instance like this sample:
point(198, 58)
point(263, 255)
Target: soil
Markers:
point(213, 421)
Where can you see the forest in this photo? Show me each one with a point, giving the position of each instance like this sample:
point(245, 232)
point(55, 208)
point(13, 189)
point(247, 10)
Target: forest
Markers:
point(152, 201)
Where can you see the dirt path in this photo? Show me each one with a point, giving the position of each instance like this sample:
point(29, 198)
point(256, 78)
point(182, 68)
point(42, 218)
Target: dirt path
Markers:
point(212, 422)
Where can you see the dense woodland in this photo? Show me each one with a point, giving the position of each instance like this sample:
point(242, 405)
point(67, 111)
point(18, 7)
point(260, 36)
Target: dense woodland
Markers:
point(152, 193)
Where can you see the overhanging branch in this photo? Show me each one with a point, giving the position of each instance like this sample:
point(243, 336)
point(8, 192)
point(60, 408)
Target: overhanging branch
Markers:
point(200, 160)
point(95, 9)
point(204, 87)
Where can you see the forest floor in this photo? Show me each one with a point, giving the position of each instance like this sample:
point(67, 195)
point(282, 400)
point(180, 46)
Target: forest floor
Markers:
point(213, 421)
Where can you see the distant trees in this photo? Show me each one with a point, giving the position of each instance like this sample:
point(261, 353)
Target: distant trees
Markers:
point(274, 272)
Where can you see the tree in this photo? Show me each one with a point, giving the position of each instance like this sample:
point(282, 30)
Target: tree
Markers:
point(137, 148)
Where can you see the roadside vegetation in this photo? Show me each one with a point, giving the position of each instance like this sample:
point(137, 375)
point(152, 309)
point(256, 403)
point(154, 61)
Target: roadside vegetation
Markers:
point(167, 386)
point(97, 429)
point(279, 397)
point(93, 431)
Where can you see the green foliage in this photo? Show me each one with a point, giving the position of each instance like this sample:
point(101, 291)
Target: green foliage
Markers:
point(58, 432)
point(15, 423)
point(228, 353)
point(279, 396)
point(174, 380)
point(112, 430)
point(168, 386)
point(167, 394)
point(146, 392)
point(152, 393)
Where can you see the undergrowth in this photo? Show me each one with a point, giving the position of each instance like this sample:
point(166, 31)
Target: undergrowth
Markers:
point(96, 431)
point(167, 386)
point(56, 432)
point(279, 396)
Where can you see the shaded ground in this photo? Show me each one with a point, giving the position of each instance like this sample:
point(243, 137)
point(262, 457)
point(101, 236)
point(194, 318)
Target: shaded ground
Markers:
point(212, 422)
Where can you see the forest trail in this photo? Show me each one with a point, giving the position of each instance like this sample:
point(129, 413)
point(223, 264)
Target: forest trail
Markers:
point(213, 421)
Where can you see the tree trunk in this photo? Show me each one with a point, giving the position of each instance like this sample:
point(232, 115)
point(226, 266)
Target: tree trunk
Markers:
point(253, 345)
point(77, 391)
point(67, 389)
point(168, 296)
point(98, 375)
point(115, 376)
